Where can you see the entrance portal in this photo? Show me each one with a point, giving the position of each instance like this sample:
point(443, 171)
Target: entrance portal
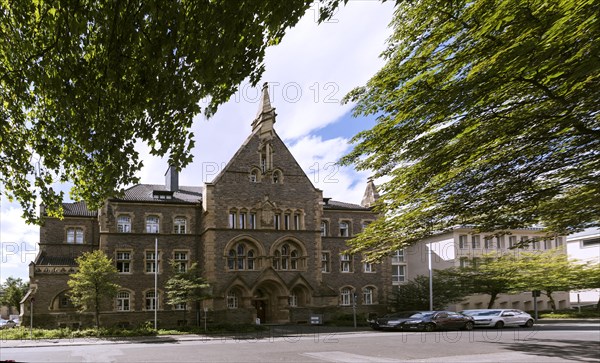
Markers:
point(270, 302)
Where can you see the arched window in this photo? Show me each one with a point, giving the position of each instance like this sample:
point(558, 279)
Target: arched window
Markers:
point(293, 299)
point(124, 301)
point(277, 177)
point(344, 229)
point(287, 257)
point(241, 257)
point(346, 296)
point(254, 176)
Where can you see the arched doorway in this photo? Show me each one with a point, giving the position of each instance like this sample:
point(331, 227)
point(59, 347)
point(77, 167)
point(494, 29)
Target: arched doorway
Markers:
point(270, 299)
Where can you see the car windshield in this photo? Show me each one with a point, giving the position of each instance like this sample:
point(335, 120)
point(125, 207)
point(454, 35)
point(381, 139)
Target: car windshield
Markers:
point(482, 313)
point(409, 314)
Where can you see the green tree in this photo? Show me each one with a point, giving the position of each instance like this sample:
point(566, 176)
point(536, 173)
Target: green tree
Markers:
point(493, 276)
point(185, 286)
point(13, 290)
point(487, 115)
point(93, 283)
point(81, 82)
point(588, 277)
point(414, 294)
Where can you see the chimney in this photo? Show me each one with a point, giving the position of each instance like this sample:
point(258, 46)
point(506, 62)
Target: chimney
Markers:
point(172, 179)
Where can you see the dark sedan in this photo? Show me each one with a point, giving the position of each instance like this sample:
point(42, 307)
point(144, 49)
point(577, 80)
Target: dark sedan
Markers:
point(423, 320)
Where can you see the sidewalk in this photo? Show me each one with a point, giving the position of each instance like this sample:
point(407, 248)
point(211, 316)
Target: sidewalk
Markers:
point(275, 331)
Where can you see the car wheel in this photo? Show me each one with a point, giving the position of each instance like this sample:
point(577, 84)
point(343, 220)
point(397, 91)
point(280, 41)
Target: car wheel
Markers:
point(429, 327)
point(528, 324)
point(499, 325)
point(469, 325)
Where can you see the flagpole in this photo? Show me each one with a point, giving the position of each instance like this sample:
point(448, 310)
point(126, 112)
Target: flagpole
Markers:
point(155, 281)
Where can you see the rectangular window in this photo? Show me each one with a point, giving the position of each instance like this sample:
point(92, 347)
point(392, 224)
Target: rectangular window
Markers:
point(152, 223)
point(523, 240)
point(286, 222)
point(345, 263)
point(179, 225)
point(367, 267)
point(123, 224)
point(123, 261)
point(500, 243)
point(558, 242)
point(464, 262)
point(476, 262)
point(398, 273)
point(344, 229)
point(463, 241)
point(242, 219)
point(475, 242)
point(252, 221)
point(232, 219)
point(325, 262)
point(75, 235)
point(547, 244)
point(535, 244)
point(181, 260)
point(297, 222)
point(488, 242)
point(590, 242)
point(151, 300)
point(323, 229)
point(181, 306)
point(512, 241)
point(277, 221)
point(152, 262)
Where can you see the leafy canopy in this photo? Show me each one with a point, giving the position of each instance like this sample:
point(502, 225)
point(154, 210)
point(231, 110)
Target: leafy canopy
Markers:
point(487, 116)
point(81, 82)
point(13, 291)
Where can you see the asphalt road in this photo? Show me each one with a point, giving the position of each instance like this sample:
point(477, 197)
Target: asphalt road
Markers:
point(543, 343)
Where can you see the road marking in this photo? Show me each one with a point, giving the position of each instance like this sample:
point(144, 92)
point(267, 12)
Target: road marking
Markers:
point(343, 357)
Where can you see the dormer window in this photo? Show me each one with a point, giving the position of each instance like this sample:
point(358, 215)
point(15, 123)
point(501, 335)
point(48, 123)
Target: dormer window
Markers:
point(162, 194)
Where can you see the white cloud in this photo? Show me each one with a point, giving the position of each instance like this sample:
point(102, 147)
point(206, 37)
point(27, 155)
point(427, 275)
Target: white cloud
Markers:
point(18, 242)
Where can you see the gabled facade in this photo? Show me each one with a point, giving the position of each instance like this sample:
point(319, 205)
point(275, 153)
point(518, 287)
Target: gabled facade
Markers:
point(268, 243)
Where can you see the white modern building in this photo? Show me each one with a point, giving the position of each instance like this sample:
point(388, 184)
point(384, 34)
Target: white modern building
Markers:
point(584, 247)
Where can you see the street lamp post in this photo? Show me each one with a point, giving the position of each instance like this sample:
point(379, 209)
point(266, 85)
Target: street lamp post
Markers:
point(430, 277)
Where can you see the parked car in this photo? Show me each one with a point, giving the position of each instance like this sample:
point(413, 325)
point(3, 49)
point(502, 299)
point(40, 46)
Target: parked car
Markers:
point(499, 318)
point(423, 320)
point(5, 324)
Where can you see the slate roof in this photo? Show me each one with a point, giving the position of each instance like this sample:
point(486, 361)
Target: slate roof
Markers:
point(334, 204)
point(144, 193)
point(56, 261)
point(78, 209)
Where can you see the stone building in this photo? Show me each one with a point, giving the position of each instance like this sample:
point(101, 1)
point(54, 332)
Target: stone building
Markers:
point(265, 239)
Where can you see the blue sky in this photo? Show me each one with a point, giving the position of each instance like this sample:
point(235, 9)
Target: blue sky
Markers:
point(312, 69)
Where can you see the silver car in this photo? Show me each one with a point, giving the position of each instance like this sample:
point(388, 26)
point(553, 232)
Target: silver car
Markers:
point(5, 324)
point(499, 318)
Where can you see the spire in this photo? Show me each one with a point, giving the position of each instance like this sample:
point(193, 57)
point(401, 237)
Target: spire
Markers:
point(371, 194)
point(265, 118)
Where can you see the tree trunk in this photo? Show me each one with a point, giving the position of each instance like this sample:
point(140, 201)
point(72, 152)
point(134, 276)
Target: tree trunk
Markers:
point(552, 302)
point(493, 297)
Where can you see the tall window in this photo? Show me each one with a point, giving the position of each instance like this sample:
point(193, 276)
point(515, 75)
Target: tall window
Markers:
point(123, 224)
point(152, 261)
point(500, 242)
point(286, 257)
point(558, 242)
point(152, 223)
point(123, 261)
point(547, 244)
point(512, 241)
point(535, 244)
point(179, 225)
point(475, 242)
point(232, 300)
point(75, 235)
point(286, 222)
point(346, 296)
point(277, 221)
point(152, 300)
point(398, 273)
point(123, 301)
point(368, 295)
point(241, 257)
point(346, 263)
point(464, 262)
point(463, 241)
point(344, 229)
point(232, 219)
point(293, 299)
point(297, 226)
point(325, 262)
point(277, 177)
point(252, 221)
point(242, 219)
point(488, 242)
point(180, 259)
point(524, 245)
point(324, 229)
point(367, 267)
point(254, 176)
